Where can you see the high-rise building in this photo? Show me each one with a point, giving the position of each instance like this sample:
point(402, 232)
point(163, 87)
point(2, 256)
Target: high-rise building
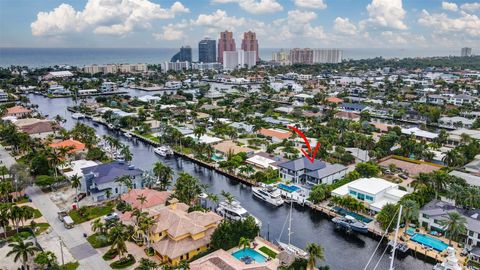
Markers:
point(175, 66)
point(282, 57)
point(226, 43)
point(239, 59)
point(250, 43)
point(207, 51)
point(315, 56)
point(466, 52)
point(185, 54)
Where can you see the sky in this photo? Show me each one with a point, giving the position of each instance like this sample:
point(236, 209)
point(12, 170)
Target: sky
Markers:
point(278, 23)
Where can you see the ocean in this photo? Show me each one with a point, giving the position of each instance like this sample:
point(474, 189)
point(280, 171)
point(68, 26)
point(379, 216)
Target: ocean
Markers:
point(44, 57)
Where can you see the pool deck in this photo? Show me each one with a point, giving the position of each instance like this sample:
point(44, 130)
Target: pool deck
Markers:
point(429, 252)
point(256, 244)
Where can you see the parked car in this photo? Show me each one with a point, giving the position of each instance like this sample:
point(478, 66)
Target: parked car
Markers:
point(110, 217)
point(403, 176)
point(62, 214)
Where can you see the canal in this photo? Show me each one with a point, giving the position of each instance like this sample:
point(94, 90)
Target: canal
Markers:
point(342, 251)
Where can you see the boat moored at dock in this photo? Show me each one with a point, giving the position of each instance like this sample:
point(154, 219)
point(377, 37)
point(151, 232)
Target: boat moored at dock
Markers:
point(269, 194)
point(350, 224)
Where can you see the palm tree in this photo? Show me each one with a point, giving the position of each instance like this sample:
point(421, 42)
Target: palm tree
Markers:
point(126, 154)
point(315, 252)
point(118, 235)
point(228, 196)
point(146, 225)
point(76, 184)
point(3, 171)
point(142, 199)
point(22, 251)
point(98, 226)
point(5, 217)
point(188, 188)
point(213, 198)
point(124, 181)
point(164, 174)
point(454, 225)
point(108, 193)
point(244, 243)
point(410, 212)
point(147, 264)
point(453, 158)
point(199, 131)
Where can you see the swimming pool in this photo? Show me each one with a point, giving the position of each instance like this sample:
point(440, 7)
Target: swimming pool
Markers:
point(429, 242)
point(411, 231)
point(288, 188)
point(249, 252)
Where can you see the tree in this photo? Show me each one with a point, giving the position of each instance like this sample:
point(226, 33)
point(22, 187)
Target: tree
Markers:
point(141, 199)
point(409, 211)
point(455, 225)
point(44, 181)
point(76, 184)
point(228, 233)
point(147, 264)
point(5, 217)
point(199, 131)
point(319, 193)
point(244, 243)
point(367, 169)
point(146, 224)
point(453, 158)
point(117, 235)
point(99, 226)
point(22, 251)
point(126, 154)
point(228, 196)
point(45, 259)
point(315, 252)
point(188, 188)
point(126, 181)
point(3, 171)
point(386, 216)
point(164, 174)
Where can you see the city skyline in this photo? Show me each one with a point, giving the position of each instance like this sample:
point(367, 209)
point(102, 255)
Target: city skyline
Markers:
point(277, 23)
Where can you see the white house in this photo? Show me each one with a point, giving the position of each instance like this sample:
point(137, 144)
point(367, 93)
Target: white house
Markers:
point(376, 192)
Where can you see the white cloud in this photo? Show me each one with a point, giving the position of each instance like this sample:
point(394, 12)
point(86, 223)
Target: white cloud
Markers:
point(315, 4)
point(116, 17)
point(172, 32)
point(402, 38)
point(471, 7)
point(386, 13)
point(218, 20)
point(394, 38)
point(344, 26)
point(449, 6)
point(464, 24)
point(255, 6)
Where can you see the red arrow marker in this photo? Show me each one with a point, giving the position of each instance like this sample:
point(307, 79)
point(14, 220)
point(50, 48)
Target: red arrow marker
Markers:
point(310, 155)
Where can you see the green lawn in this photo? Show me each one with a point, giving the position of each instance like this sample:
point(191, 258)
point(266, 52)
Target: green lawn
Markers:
point(71, 266)
point(42, 227)
point(270, 181)
point(272, 254)
point(87, 213)
point(98, 240)
point(37, 213)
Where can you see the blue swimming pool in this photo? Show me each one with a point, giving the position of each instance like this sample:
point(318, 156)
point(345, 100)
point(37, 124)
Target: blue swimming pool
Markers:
point(288, 188)
point(428, 241)
point(411, 231)
point(248, 252)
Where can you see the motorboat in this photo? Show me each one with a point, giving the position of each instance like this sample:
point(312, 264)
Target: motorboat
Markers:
point(163, 151)
point(78, 116)
point(350, 224)
point(110, 126)
point(234, 211)
point(402, 247)
point(269, 194)
point(128, 134)
point(450, 263)
point(289, 247)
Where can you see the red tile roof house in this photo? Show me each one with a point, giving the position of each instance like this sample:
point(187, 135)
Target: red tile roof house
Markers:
point(17, 111)
point(153, 198)
point(276, 135)
point(76, 145)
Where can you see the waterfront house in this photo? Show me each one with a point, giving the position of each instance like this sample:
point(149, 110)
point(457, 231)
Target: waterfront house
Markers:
point(302, 171)
point(153, 198)
point(58, 90)
point(17, 111)
point(74, 144)
point(263, 160)
point(179, 235)
point(222, 260)
point(99, 178)
point(108, 87)
point(455, 136)
point(473, 179)
point(419, 134)
point(75, 167)
point(433, 212)
point(376, 192)
point(36, 128)
point(352, 107)
point(225, 147)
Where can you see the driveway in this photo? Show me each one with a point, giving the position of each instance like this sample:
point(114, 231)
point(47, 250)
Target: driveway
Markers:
point(73, 239)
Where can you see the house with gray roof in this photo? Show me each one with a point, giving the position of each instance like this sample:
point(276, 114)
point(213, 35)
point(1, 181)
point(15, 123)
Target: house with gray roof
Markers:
point(100, 178)
point(431, 215)
point(302, 171)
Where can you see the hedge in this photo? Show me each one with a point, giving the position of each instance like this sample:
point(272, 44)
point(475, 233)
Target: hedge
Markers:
point(123, 262)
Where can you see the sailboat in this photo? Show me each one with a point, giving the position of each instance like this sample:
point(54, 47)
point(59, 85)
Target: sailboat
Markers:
point(289, 247)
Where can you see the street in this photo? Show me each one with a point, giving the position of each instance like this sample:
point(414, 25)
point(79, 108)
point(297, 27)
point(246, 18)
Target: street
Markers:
point(73, 239)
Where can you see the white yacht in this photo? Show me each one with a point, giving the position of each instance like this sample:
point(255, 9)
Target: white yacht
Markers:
point(163, 151)
point(269, 194)
point(235, 211)
point(78, 116)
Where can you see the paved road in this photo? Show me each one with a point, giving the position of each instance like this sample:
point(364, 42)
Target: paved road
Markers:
point(73, 239)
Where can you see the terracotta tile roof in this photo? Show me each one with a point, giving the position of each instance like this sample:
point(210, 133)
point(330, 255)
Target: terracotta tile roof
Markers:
point(36, 128)
point(275, 133)
point(77, 146)
point(154, 198)
point(227, 146)
point(174, 249)
point(334, 99)
point(17, 110)
point(348, 115)
point(222, 260)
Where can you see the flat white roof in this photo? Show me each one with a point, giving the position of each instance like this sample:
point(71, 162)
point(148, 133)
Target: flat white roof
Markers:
point(205, 139)
point(396, 193)
point(371, 185)
point(341, 191)
point(377, 206)
point(77, 166)
point(261, 161)
point(419, 133)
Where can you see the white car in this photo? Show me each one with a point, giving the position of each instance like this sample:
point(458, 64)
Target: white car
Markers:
point(110, 217)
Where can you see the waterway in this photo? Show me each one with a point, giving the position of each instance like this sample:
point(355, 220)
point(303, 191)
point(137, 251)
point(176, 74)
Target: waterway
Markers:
point(342, 251)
